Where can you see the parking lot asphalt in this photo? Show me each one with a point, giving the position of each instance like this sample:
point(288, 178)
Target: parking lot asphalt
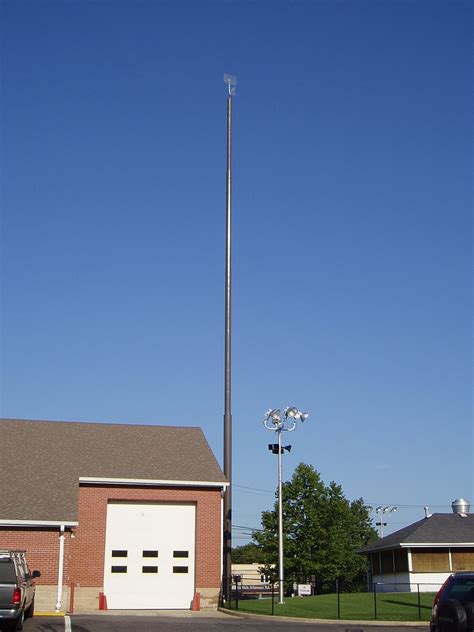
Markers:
point(198, 622)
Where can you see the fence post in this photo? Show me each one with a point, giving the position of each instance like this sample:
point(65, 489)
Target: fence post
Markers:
point(236, 592)
point(338, 600)
point(273, 598)
point(419, 603)
point(375, 599)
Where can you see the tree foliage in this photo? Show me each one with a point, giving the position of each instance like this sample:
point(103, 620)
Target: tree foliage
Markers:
point(322, 531)
point(246, 554)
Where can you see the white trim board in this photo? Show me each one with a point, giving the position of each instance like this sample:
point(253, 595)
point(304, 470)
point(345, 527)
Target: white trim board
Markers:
point(437, 545)
point(92, 480)
point(38, 523)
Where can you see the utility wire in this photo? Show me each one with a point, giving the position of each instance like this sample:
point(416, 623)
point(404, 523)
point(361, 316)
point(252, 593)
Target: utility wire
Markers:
point(256, 490)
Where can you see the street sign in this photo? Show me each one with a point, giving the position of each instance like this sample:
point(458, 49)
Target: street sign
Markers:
point(304, 590)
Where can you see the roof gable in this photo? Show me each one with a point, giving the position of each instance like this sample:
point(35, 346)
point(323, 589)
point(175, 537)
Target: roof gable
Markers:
point(43, 461)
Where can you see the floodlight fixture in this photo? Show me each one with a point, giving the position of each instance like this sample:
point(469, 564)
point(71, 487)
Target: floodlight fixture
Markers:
point(275, 414)
point(381, 510)
point(293, 413)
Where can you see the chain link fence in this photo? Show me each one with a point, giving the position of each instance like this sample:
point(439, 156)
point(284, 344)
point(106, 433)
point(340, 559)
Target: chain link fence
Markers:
point(364, 601)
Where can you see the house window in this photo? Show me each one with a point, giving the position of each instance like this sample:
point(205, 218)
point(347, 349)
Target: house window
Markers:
point(180, 569)
point(386, 558)
point(400, 557)
point(149, 569)
point(118, 569)
point(375, 560)
point(121, 553)
point(180, 553)
point(463, 560)
point(150, 553)
point(430, 560)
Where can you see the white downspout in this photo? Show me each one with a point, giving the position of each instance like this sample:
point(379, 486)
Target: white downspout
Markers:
point(60, 569)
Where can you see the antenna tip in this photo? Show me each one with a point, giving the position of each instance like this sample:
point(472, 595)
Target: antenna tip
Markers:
point(231, 81)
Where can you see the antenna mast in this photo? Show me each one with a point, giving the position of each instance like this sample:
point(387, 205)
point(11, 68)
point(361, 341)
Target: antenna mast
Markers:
point(231, 82)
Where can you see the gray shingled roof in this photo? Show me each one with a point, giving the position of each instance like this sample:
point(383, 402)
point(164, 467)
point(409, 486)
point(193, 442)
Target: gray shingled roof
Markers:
point(41, 462)
point(436, 530)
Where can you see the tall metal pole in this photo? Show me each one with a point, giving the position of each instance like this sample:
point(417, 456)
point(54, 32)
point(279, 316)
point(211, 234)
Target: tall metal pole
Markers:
point(280, 523)
point(274, 420)
point(227, 527)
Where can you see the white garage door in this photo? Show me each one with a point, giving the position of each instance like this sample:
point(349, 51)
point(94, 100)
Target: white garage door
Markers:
point(149, 556)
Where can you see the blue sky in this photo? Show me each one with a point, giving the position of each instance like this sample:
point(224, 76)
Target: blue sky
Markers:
point(352, 231)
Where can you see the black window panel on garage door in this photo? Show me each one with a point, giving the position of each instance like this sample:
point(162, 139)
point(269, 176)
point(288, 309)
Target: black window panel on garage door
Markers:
point(180, 569)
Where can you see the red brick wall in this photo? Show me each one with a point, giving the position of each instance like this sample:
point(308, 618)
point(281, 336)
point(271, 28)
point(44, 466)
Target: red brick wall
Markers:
point(84, 555)
point(88, 547)
point(42, 550)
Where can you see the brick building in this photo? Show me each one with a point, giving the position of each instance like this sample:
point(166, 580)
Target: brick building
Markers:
point(133, 512)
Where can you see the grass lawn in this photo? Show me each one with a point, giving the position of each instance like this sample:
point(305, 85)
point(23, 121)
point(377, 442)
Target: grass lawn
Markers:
point(390, 606)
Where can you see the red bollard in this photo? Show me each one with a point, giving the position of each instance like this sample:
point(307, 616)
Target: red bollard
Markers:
point(102, 601)
point(71, 597)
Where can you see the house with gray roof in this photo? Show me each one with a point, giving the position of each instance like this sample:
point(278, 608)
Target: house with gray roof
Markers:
point(113, 515)
point(423, 554)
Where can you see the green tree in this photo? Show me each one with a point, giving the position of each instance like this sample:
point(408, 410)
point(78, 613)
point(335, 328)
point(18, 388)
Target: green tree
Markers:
point(322, 531)
point(246, 554)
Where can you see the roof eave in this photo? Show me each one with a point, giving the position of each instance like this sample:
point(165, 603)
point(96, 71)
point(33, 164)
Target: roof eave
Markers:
point(38, 523)
point(94, 480)
point(416, 545)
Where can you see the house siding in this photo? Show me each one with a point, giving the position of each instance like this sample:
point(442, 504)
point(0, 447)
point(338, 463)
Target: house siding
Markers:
point(409, 582)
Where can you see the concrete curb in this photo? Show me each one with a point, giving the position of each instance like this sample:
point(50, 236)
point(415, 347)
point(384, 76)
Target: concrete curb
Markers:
point(49, 614)
point(378, 622)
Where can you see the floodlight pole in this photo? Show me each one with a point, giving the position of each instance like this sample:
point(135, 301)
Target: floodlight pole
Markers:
point(281, 577)
point(227, 504)
point(273, 420)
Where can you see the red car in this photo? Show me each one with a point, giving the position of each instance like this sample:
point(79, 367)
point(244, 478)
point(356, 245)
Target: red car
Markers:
point(453, 606)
